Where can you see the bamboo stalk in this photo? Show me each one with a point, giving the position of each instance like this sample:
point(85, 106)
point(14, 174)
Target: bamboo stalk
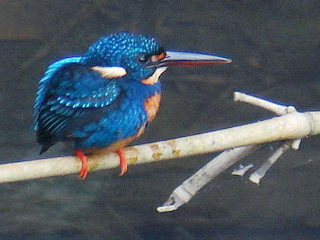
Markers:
point(184, 192)
point(266, 104)
point(291, 126)
point(261, 172)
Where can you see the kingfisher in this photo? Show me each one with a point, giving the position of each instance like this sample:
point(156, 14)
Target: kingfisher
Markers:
point(103, 100)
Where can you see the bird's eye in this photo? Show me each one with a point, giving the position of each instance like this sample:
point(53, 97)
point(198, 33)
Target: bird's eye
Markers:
point(143, 59)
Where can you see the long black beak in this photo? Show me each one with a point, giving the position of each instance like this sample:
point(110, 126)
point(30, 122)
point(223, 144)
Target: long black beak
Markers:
point(189, 59)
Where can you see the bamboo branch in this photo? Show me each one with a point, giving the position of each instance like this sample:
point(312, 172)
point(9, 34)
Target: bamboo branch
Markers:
point(184, 192)
point(273, 107)
point(291, 126)
point(261, 172)
point(242, 169)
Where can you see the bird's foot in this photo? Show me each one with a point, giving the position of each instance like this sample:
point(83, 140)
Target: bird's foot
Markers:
point(123, 164)
point(84, 160)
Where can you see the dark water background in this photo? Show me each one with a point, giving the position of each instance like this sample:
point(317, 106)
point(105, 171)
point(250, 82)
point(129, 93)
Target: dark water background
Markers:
point(275, 49)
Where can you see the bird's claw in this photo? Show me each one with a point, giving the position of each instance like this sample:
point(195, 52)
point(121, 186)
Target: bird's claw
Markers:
point(84, 160)
point(123, 164)
point(123, 169)
point(84, 172)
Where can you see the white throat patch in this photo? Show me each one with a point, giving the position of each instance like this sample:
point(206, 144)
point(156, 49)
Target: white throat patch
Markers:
point(155, 76)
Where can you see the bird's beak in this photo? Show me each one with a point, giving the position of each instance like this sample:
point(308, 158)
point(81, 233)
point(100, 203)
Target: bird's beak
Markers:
point(189, 59)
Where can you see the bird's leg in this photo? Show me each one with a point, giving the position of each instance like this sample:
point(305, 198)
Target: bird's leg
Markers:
point(84, 160)
point(123, 164)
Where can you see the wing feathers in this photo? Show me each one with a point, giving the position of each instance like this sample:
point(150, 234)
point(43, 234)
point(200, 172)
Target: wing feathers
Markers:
point(68, 91)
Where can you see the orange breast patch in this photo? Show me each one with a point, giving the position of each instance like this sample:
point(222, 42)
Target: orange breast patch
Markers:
point(151, 105)
point(117, 145)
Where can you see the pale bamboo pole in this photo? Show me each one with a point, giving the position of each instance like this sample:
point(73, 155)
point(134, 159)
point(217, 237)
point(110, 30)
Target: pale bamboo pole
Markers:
point(190, 187)
point(291, 126)
point(185, 191)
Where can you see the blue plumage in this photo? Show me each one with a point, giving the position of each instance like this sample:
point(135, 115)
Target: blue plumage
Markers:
point(105, 98)
point(77, 105)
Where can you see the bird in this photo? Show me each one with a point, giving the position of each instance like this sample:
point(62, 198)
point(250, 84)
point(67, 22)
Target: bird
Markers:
point(104, 99)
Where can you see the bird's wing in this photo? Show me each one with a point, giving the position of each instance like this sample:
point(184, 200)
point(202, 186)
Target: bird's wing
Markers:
point(44, 85)
point(69, 90)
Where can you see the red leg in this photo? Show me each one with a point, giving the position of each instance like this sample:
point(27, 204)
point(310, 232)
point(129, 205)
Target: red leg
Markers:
point(84, 161)
point(123, 165)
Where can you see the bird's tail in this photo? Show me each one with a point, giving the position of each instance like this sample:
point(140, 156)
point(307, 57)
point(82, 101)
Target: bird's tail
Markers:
point(45, 148)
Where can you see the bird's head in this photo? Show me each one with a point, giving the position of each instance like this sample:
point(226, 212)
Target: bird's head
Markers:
point(140, 57)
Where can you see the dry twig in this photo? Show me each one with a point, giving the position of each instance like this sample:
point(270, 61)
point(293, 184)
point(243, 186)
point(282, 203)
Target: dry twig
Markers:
point(184, 192)
point(192, 185)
